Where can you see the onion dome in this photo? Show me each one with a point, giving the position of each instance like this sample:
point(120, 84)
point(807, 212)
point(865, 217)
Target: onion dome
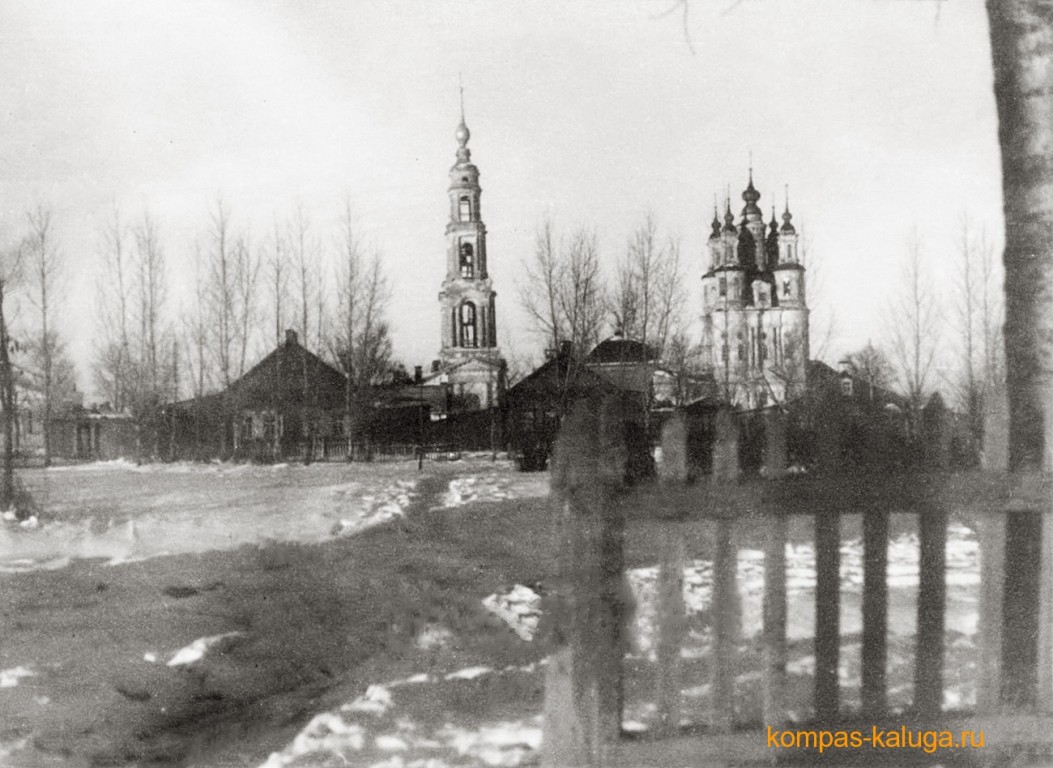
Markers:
point(463, 134)
point(729, 219)
point(751, 196)
point(787, 227)
point(771, 243)
point(715, 224)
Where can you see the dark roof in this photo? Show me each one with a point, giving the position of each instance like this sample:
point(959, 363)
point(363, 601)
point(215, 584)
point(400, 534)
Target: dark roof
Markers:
point(291, 372)
point(819, 372)
point(562, 377)
point(619, 350)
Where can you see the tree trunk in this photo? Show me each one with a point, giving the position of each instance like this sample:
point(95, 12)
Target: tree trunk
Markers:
point(7, 484)
point(1022, 53)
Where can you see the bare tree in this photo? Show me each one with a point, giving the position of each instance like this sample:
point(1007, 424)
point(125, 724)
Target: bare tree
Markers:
point(304, 256)
point(360, 339)
point(977, 309)
point(45, 268)
point(229, 309)
point(277, 276)
point(112, 365)
point(649, 294)
point(10, 273)
point(684, 361)
point(915, 329)
point(563, 294)
point(873, 365)
point(230, 295)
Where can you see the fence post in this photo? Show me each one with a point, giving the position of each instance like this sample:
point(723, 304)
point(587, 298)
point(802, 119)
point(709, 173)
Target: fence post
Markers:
point(725, 565)
point(671, 610)
point(827, 572)
point(994, 458)
point(875, 612)
point(932, 592)
point(583, 684)
point(775, 579)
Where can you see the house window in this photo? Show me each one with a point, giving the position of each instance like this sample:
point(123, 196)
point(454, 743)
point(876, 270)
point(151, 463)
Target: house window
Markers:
point(723, 286)
point(468, 330)
point(465, 208)
point(846, 387)
point(467, 260)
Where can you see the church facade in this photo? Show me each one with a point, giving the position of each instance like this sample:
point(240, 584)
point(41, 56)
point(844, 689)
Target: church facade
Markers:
point(470, 362)
point(754, 307)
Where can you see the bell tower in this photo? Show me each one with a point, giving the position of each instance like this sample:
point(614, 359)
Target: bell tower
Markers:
point(467, 301)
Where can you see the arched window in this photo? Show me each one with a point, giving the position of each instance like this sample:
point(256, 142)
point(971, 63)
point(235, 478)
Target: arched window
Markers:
point(786, 287)
point(468, 335)
point(465, 209)
point(467, 260)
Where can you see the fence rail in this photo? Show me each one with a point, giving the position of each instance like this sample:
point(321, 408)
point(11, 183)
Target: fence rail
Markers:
point(585, 681)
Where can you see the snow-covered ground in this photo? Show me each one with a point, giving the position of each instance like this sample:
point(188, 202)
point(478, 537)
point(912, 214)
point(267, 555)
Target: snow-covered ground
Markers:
point(123, 513)
point(335, 738)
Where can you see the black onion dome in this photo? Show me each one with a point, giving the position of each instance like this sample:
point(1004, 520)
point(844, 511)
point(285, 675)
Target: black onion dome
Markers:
point(787, 228)
point(751, 196)
point(729, 219)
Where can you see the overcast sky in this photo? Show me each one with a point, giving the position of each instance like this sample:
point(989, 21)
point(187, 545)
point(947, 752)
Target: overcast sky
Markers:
point(878, 114)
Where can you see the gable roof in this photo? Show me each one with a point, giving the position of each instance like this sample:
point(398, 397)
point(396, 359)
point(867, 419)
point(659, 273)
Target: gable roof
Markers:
point(561, 378)
point(620, 350)
point(291, 372)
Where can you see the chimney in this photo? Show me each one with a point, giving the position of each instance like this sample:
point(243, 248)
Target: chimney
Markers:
point(418, 374)
point(291, 338)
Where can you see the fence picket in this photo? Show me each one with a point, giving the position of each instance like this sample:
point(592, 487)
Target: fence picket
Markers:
point(875, 612)
point(725, 592)
point(932, 592)
point(827, 612)
point(583, 692)
point(671, 610)
point(774, 629)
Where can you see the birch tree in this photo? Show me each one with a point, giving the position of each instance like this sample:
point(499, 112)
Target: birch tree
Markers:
point(45, 268)
point(915, 332)
point(564, 293)
point(649, 295)
point(360, 341)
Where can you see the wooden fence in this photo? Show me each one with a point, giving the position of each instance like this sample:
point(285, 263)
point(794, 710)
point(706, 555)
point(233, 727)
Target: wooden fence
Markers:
point(585, 677)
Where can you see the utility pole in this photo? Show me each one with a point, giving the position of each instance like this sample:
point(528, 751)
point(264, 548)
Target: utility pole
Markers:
point(418, 377)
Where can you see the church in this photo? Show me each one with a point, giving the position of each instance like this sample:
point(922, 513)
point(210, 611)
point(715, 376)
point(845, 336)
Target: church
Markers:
point(470, 365)
point(754, 308)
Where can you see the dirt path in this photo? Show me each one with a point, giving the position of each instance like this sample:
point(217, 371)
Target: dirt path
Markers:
point(303, 626)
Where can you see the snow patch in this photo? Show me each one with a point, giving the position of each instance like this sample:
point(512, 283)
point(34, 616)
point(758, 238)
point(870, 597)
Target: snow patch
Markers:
point(196, 650)
point(469, 673)
point(375, 701)
point(9, 677)
point(519, 608)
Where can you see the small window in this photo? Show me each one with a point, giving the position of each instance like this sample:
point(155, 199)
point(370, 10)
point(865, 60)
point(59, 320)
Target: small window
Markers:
point(846, 387)
point(467, 260)
point(468, 330)
point(786, 287)
point(723, 286)
point(465, 208)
